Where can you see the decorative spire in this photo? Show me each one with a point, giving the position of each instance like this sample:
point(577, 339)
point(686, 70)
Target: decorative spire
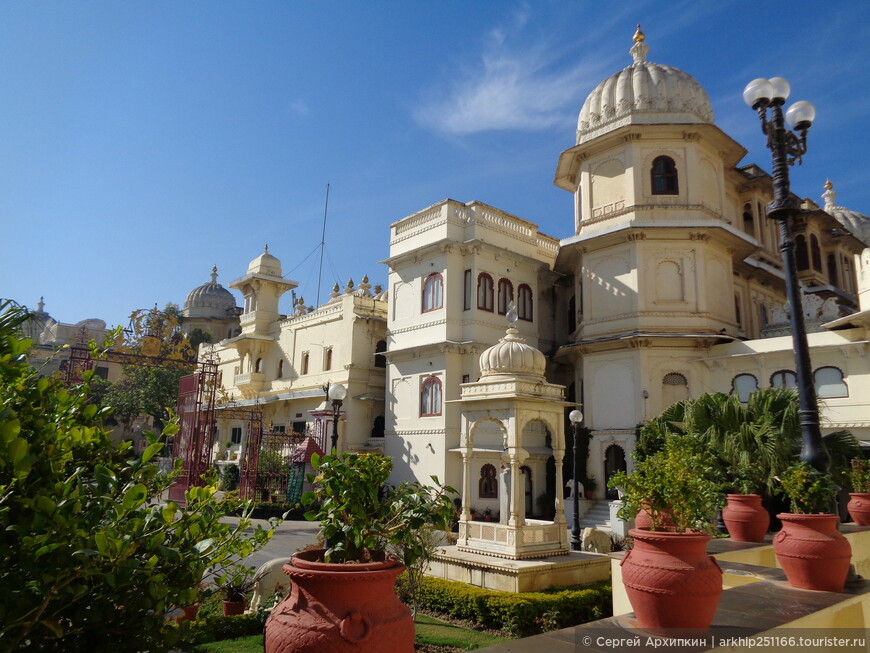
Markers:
point(829, 196)
point(266, 248)
point(639, 49)
point(40, 305)
point(335, 292)
point(349, 288)
point(214, 274)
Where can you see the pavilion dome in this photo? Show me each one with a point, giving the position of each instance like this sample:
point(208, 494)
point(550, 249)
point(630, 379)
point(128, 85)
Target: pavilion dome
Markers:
point(209, 300)
point(265, 264)
point(644, 93)
point(513, 357)
point(857, 223)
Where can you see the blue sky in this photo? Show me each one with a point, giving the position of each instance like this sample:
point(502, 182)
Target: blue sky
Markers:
point(141, 143)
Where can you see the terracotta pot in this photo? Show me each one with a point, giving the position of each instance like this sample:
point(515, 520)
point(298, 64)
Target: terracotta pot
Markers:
point(859, 507)
point(340, 608)
point(745, 518)
point(232, 608)
point(670, 580)
point(811, 552)
point(642, 520)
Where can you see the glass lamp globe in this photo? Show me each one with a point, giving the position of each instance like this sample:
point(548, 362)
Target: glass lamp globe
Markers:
point(800, 115)
point(758, 92)
point(781, 88)
point(575, 416)
point(337, 392)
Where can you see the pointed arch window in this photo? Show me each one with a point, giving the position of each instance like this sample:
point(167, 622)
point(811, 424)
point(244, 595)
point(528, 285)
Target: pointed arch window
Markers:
point(430, 397)
point(816, 253)
point(664, 176)
point(801, 254)
point(484, 292)
point(783, 379)
point(380, 348)
point(487, 486)
point(525, 309)
point(304, 362)
point(281, 369)
point(829, 383)
point(744, 385)
point(505, 295)
point(433, 292)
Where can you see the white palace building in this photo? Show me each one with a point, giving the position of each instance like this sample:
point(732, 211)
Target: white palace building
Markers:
point(667, 284)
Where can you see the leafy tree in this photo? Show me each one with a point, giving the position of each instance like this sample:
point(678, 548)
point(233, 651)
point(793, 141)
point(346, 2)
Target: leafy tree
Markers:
point(88, 556)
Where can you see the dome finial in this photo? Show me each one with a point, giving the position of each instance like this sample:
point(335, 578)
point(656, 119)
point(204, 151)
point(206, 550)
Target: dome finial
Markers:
point(639, 49)
point(266, 248)
point(214, 274)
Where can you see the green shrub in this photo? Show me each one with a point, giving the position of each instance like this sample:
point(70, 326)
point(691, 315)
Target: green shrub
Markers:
point(218, 627)
point(230, 478)
point(520, 614)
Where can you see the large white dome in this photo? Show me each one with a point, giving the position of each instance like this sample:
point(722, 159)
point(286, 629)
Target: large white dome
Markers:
point(209, 300)
point(644, 93)
point(857, 223)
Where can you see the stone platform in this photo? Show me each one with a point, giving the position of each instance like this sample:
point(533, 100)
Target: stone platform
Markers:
point(527, 575)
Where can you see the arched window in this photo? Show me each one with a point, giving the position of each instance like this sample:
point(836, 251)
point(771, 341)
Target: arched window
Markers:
point(430, 397)
point(783, 379)
point(802, 258)
point(748, 221)
point(327, 359)
point(525, 309)
point(433, 292)
point(833, 277)
point(505, 295)
point(281, 369)
point(487, 486)
point(572, 314)
point(258, 366)
point(304, 365)
point(743, 385)
point(664, 176)
point(829, 383)
point(484, 292)
point(816, 253)
point(380, 359)
point(737, 314)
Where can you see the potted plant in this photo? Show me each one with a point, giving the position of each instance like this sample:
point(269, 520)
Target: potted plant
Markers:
point(669, 579)
point(744, 516)
point(589, 486)
point(859, 497)
point(343, 597)
point(235, 584)
point(487, 514)
point(810, 550)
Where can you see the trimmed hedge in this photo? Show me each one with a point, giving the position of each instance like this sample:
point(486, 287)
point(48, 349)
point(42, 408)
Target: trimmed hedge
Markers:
point(217, 628)
point(520, 614)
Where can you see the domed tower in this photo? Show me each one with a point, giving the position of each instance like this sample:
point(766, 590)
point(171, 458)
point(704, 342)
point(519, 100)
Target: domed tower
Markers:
point(262, 287)
point(212, 309)
point(655, 244)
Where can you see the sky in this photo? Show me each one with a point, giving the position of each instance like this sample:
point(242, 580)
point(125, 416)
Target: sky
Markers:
point(143, 142)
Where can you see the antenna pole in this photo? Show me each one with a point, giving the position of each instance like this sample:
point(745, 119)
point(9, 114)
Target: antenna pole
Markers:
point(322, 245)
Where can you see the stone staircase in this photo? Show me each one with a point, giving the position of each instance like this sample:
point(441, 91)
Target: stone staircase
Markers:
point(597, 517)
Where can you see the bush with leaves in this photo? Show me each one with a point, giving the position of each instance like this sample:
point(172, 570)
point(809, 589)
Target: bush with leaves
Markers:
point(88, 557)
point(859, 475)
point(359, 513)
point(810, 491)
point(230, 478)
point(678, 483)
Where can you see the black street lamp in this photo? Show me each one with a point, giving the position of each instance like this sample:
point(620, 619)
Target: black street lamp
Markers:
point(336, 392)
point(575, 416)
point(787, 148)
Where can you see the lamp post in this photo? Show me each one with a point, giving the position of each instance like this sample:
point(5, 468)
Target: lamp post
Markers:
point(336, 392)
point(575, 416)
point(787, 148)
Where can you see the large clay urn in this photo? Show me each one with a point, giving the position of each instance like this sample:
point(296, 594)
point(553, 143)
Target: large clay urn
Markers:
point(340, 608)
point(745, 518)
point(811, 552)
point(670, 580)
point(859, 507)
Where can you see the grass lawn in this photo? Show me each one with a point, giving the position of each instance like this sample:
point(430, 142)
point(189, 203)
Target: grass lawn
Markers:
point(429, 631)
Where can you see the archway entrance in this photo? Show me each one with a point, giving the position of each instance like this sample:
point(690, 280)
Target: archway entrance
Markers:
point(614, 461)
point(527, 485)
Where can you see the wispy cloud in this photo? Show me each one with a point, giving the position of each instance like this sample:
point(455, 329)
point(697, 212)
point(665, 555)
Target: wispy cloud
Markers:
point(516, 84)
point(299, 107)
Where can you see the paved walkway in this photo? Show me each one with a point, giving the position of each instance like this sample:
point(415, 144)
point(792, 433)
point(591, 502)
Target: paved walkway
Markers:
point(288, 538)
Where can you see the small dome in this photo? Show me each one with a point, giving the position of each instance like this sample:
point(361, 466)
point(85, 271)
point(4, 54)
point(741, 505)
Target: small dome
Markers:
point(265, 264)
point(209, 300)
point(857, 223)
point(644, 93)
point(512, 356)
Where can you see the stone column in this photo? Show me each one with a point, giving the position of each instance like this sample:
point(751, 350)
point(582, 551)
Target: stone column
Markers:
point(504, 496)
point(560, 508)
